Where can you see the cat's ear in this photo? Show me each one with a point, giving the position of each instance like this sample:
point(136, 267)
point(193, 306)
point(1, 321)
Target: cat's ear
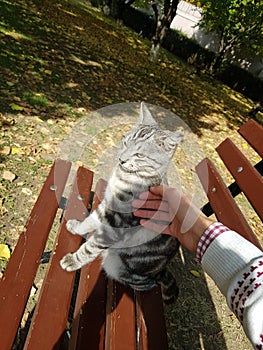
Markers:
point(145, 116)
point(170, 140)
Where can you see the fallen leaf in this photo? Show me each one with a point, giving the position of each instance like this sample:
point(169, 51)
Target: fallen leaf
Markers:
point(245, 145)
point(16, 107)
point(33, 291)
point(44, 131)
point(195, 273)
point(15, 150)
point(5, 121)
point(4, 252)
point(26, 191)
point(8, 175)
point(38, 119)
point(10, 83)
point(5, 150)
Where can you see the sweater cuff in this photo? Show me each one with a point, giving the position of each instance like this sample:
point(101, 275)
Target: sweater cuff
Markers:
point(226, 256)
point(213, 231)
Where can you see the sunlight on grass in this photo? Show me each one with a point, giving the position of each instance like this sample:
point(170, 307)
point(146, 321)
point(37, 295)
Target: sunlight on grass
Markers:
point(15, 35)
point(236, 97)
point(79, 28)
point(86, 63)
point(69, 13)
point(105, 30)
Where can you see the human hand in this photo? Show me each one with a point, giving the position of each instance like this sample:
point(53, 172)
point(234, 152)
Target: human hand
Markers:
point(167, 210)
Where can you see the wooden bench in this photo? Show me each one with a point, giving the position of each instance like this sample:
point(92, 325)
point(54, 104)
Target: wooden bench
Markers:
point(106, 314)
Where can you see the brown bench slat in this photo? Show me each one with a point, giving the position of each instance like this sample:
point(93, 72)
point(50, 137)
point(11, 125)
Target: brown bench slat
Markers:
point(247, 178)
point(21, 270)
point(121, 320)
point(90, 310)
point(88, 326)
point(152, 333)
point(252, 132)
point(222, 201)
point(55, 296)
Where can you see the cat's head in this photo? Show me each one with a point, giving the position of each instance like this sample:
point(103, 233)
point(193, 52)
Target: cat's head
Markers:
point(147, 149)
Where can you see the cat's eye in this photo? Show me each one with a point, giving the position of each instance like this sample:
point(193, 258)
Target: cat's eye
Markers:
point(139, 155)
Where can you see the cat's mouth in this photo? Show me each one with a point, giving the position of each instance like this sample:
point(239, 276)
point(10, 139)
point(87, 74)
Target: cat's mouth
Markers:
point(127, 170)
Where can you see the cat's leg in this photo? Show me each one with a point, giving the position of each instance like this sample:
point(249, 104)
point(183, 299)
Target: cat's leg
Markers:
point(169, 286)
point(87, 252)
point(81, 228)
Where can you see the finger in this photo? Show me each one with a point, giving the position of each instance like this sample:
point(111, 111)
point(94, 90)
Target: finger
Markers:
point(156, 215)
point(151, 204)
point(156, 227)
point(158, 190)
point(149, 196)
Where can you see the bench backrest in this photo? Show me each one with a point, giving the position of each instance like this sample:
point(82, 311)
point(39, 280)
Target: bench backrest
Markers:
point(247, 180)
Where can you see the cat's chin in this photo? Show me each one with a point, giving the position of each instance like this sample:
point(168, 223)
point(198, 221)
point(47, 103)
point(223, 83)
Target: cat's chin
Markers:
point(126, 170)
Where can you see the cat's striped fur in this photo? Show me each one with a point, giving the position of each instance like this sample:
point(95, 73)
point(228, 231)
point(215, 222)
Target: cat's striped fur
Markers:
point(130, 253)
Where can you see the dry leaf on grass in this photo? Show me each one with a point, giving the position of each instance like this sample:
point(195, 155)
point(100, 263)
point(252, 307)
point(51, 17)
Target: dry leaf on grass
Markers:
point(8, 175)
point(4, 252)
point(195, 273)
point(5, 150)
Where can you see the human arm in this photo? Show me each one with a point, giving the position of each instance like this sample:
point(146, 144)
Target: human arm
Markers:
point(234, 264)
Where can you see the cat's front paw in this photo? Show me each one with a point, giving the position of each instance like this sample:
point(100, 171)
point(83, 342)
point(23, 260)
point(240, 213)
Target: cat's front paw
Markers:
point(72, 226)
point(70, 263)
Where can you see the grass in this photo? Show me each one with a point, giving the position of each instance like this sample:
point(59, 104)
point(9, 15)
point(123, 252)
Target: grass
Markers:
point(36, 99)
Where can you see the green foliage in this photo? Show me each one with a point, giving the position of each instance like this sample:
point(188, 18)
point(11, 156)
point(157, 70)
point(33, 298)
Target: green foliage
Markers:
point(237, 22)
point(36, 99)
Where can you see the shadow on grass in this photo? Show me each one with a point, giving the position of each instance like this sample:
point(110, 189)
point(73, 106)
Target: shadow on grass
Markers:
point(56, 56)
point(192, 321)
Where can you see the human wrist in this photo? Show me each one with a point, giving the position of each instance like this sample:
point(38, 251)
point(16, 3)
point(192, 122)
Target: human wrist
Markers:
point(198, 230)
point(201, 225)
point(210, 234)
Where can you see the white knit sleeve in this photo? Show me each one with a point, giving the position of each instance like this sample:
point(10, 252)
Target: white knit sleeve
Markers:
point(236, 266)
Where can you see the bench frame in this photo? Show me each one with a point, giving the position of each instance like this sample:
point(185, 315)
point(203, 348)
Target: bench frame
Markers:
point(107, 315)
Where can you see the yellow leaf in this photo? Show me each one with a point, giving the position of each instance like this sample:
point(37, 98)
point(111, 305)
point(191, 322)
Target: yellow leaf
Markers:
point(16, 107)
point(245, 145)
point(195, 273)
point(4, 252)
point(38, 119)
point(48, 72)
point(15, 150)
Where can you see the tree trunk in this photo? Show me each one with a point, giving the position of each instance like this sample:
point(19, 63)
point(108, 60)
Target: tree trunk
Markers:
point(225, 46)
point(216, 64)
point(157, 40)
point(163, 23)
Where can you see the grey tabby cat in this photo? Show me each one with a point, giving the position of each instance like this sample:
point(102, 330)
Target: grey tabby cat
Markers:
point(130, 253)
